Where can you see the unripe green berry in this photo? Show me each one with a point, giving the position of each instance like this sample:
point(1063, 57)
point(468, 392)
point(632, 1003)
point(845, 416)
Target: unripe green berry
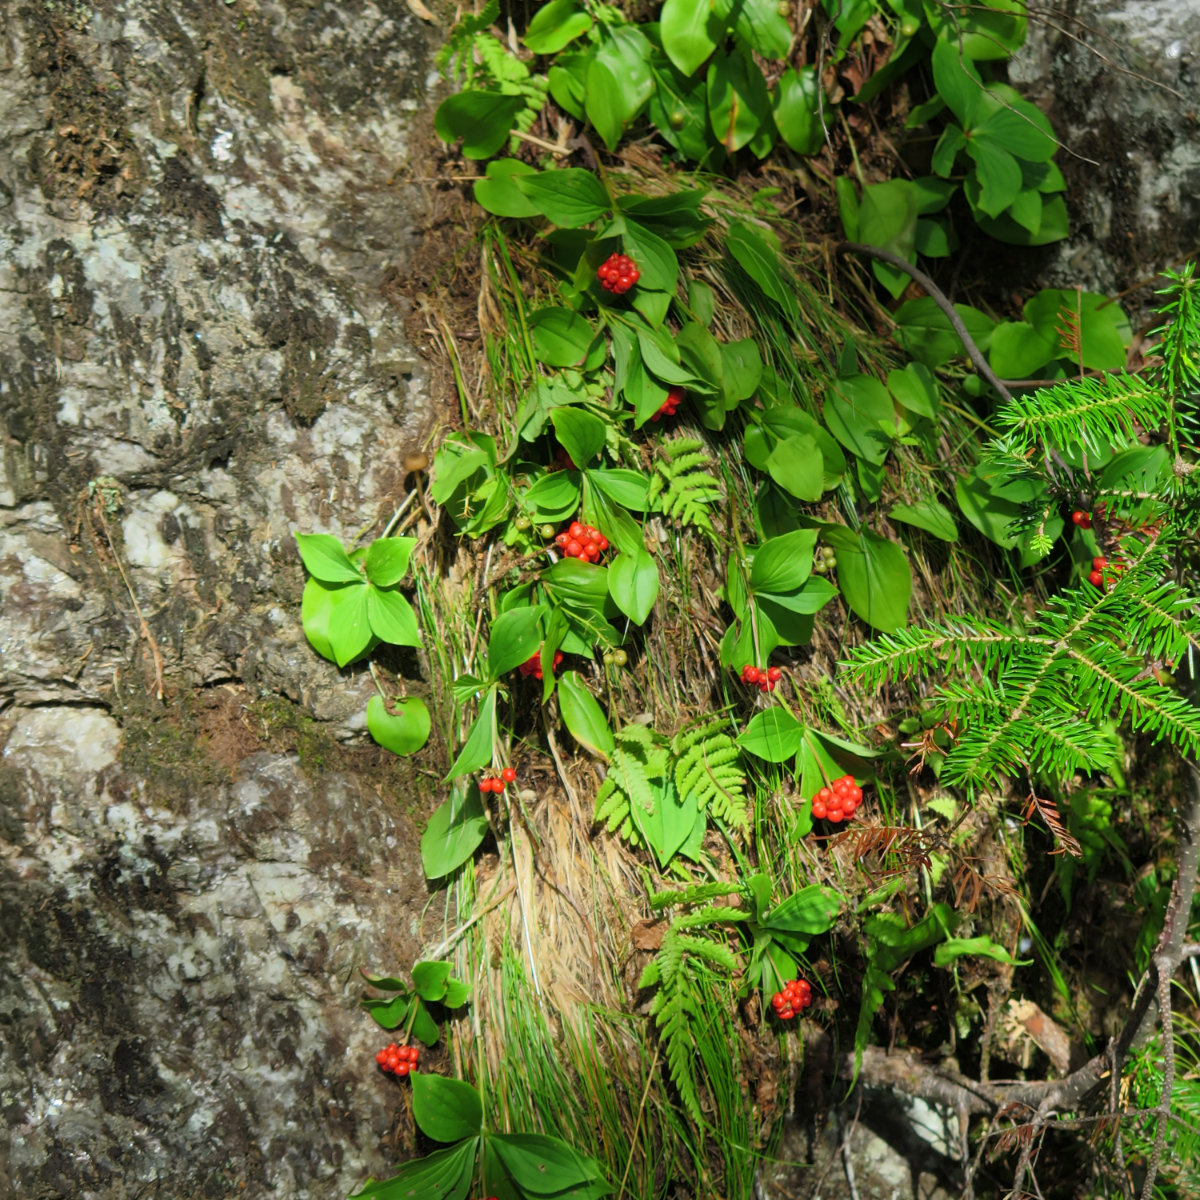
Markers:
point(830, 563)
point(828, 552)
point(784, 10)
point(547, 531)
point(524, 524)
point(620, 658)
point(821, 567)
point(677, 118)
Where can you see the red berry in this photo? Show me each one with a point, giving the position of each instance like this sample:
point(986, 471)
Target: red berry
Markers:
point(573, 549)
point(1098, 564)
point(1096, 578)
point(1079, 516)
point(403, 1068)
point(508, 774)
point(774, 674)
point(825, 795)
point(819, 810)
point(575, 529)
point(778, 1000)
point(836, 815)
point(561, 540)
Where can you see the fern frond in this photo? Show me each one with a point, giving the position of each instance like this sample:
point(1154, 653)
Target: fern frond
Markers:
point(708, 770)
point(1092, 413)
point(638, 757)
point(693, 894)
point(680, 487)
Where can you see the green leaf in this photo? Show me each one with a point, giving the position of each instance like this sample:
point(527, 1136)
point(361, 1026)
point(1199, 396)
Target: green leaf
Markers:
point(1022, 130)
point(482, 119)
point(499, 194)
point(761, 25)
point(1053, 226)
point(554, 25)
point(810, 911)
point(957, 80)
point(948, 147)
point(661, 358)
point(627, 488)
point(317, 603)
point(690, 31)
point(325, 558)
point(915, 389)
point(619, 81)
point(773, 734)
point(998, 173)
point(580, 434)
point(350, 626)
point(669, 821)
point(387, 560)
point(796, 465)
point(424, 1027)
point(924, 331)
point(633, 584)
point(782, 564)
point(858, 411)
point(991, 514)
point(741, 370)
point(1018, 350)
point(443, 1175)
point(887, 217)
point(933, 239)
point(702, 300)
point(1103, 325)
point(561, 337)
point(403, 732)
point(797, 109)
point(446, 1109)
point(429, 982)
point(929, 515)
point(569, 197)
point(876, 581)
point(457, 993)
point(738, 101)
point(700, 353)
point(583, 717)
point(552, 497)
point(657, 263)
point(954, 948)
point(760, 261)
point(477, 749)
point(541, 1165)
point(391, 617)
point(450, 837)
point(516, 635)
point(811, 598)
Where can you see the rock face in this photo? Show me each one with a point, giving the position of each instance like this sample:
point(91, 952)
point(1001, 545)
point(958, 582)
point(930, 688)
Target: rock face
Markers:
point(201, 349)
point(1121, 83)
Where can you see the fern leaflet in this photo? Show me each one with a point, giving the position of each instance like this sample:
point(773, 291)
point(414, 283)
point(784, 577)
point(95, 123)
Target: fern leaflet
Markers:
point(682, 489)
point(708, 771)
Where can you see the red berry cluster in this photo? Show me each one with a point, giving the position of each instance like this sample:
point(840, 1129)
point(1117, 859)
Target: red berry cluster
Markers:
point(1097, 576)
point(582, 541)
point(496, 783)
point(796, 994)
point(399, 1060)
point(617, 274)
point(839, 802)
point(1082, 519)
point(674, 399)
point(766, 680)
point(533, 664)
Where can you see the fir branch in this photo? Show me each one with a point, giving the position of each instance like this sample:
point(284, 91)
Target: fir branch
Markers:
point(1092, 413)
point(967, 642)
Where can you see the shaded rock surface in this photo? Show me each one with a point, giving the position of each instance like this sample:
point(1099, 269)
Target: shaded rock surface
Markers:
point(1121, 83)
point(202, 348)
